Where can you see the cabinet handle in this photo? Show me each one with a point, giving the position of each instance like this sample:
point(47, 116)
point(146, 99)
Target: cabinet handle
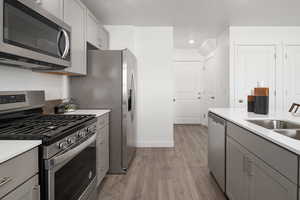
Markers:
point(5, 180)
point(245, 164)
point(250, 168)
point(36, 192)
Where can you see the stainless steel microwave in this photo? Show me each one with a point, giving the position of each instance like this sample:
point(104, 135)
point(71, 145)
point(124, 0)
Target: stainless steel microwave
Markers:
point(31, 37)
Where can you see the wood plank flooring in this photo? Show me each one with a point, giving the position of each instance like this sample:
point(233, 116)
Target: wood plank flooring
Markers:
point(167, 174)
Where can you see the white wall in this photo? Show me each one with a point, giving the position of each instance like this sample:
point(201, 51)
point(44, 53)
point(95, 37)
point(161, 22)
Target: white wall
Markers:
point(12, 79)
point(153, 47)
point(221, 56)
point(187, 55)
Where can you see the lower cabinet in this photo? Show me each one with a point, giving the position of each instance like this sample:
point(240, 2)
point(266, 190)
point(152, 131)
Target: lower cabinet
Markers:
point(30, 190)
point(102, 147)
point(249, 178)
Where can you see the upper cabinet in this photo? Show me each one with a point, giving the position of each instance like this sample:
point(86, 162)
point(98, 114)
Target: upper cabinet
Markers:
point(55, 7)
point(86, 28)
point(103, 38)
point(97, 36)
point(75, 16)
point(92, 26)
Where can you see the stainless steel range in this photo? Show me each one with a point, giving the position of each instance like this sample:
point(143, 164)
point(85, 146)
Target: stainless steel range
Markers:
point(68, 151)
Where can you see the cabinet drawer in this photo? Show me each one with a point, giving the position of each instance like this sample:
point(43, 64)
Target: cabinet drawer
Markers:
point(18, 170)
point(102, 121)
point(277, 157)
point(28, 191)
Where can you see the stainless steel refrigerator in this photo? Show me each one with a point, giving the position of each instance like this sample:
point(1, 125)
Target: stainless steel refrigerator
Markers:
point(111, 84)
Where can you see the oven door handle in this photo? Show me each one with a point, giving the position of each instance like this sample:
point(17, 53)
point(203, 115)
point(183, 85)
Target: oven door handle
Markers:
point(56, 161)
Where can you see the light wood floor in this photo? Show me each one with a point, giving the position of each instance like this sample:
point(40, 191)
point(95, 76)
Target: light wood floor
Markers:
point(167, 174)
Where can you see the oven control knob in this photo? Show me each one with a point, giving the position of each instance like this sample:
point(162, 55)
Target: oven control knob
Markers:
point(81, 134)
point(63, 145)
point(71, 140)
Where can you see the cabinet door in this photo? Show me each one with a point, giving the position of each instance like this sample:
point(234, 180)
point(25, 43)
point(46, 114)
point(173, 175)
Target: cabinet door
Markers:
point(28, 191)
point(291, 72)
point(254, 64)
point(103, 38)
point(55, 7)
point(266, 183)
point(106, 149)
point(92, 30)
point(236, 171)
point(75, 16)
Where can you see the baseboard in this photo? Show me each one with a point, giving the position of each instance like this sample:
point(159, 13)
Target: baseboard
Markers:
point(153, 144)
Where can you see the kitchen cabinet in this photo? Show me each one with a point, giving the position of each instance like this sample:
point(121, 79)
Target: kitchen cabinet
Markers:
point(236, 179)
point(103, 38)
point(291, 75)
point(75, 16)
point(102, 147)
point(92, 30)
point(254, 63)
point(250, 178)
point(30, 190)
point(19, 177)
point(55, 7)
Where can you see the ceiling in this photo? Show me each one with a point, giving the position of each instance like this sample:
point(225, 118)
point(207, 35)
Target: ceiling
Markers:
point(196, 19)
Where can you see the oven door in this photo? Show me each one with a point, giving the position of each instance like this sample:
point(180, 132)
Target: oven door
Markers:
point(72, 175)
point(31, 34)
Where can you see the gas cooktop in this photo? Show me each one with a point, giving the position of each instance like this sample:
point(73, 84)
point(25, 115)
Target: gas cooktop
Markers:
point(48, 128)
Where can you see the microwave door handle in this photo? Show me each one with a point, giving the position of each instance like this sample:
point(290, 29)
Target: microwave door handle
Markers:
point(72, 153)
point(59, 35)
point(67, 47)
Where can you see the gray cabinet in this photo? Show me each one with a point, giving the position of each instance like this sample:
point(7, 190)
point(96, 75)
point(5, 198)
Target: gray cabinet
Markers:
point(18, 177)
point(75, 16)
point(236, 179)
point(55, 7)
point(267, 183)
point(102, 147)
point(103, 38)
point(250, 178)
point(30, 190)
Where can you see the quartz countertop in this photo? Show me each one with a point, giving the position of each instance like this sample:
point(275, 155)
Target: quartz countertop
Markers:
point(240, 117)
point(98, 113)
point(12, 148)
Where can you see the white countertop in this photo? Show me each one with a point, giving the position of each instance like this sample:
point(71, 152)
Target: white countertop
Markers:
point(239, 117)
point(98, 113)
point(13, 148)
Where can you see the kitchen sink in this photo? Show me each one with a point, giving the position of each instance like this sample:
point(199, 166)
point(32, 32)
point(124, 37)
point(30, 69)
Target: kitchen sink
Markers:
point(292, 133)
point(275, 124)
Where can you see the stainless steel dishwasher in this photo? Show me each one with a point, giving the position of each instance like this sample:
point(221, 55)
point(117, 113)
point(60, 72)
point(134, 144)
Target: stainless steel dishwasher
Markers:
point(217, 148)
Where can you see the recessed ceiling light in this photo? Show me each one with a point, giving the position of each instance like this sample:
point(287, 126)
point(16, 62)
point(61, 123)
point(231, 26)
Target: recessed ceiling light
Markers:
point(191, 41)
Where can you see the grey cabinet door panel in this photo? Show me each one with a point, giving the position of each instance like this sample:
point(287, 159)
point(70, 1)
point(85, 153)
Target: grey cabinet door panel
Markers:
point(236, 179)
point(28, 191)
point(279, 158)
point(17, 170)
point(266, 183)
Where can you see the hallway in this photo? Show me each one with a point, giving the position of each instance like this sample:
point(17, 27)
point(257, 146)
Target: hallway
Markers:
point(167, 174)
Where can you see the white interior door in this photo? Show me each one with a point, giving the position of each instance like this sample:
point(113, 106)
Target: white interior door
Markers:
point(291, 74)
point(187, 97)
point(254, 64)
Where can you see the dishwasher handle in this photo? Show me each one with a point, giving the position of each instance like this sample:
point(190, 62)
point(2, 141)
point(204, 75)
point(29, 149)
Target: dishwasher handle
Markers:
point(216, 119)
